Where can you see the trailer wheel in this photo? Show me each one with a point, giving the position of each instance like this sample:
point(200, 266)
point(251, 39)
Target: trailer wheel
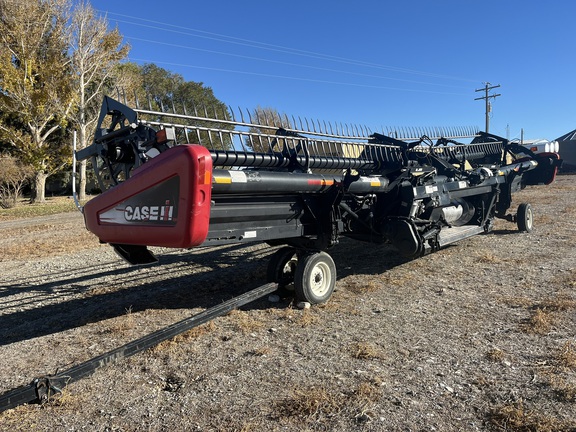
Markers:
point(315, 277)
point(525, 217)
point(282, 266)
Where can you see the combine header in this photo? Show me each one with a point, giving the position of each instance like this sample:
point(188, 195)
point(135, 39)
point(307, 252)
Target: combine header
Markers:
point(299, 184)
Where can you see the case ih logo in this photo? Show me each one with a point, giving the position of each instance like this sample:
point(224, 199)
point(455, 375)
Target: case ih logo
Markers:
point(145, 208)
point(149, 213)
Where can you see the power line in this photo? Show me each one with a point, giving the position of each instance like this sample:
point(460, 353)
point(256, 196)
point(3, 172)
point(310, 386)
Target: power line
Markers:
point(156, 25)
point(288, 63)
point(290, 77)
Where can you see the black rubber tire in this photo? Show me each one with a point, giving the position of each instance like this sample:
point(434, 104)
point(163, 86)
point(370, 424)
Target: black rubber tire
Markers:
point(525, 217)
point(282, 266)
point(315, 277)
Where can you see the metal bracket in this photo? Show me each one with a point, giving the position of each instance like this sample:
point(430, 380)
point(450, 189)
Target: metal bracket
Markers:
point(47, 386)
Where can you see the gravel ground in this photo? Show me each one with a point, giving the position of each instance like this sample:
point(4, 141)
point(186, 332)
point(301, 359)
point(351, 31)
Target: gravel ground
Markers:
point(478, 336)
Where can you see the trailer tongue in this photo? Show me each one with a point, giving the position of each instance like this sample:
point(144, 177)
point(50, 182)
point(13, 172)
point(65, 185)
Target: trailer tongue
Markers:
point(304, 188)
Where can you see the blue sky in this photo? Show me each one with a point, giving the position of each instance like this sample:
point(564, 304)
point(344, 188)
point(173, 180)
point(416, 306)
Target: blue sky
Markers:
point(376, 63)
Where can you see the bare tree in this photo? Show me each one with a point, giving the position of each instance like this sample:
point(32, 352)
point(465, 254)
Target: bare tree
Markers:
point(35, 87)
point(95, 52)
point(13, 177)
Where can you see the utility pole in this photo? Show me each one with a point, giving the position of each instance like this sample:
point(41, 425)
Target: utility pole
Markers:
point(486, 97)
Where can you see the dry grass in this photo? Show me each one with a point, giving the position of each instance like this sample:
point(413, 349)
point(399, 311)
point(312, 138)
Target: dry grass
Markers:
point(47, 240)
point(313, 402)
point(543, 314)
point(488, 258)
point(363, 286)
point(261, 352)
point(178, 342)
point(567, 355)
point(245, 322)
point(564, 387)
point(516, 418)
point(307, 317)
point(495, 355)
point(561, 302)
point(540, 322)
point(24, 209)
point(122, 324)
point(366, 351)
point(517, 302)
point(320, 403)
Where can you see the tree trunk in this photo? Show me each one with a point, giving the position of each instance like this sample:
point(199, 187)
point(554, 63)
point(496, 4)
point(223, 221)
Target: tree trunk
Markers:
point(39, 189)
point(82, 187)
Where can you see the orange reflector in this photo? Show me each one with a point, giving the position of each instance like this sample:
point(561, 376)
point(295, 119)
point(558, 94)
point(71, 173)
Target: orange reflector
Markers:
point(204, 175)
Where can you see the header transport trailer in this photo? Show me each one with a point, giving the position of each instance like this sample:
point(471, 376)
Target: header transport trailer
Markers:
point(302, 185)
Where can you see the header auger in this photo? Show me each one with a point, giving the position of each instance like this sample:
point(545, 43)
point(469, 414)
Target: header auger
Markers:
point(298, 184)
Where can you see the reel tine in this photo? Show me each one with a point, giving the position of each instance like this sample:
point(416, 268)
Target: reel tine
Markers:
point(136, 101)
point(249, 116)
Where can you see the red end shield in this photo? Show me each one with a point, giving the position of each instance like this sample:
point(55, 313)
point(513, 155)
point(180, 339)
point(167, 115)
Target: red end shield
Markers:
point(165, 203)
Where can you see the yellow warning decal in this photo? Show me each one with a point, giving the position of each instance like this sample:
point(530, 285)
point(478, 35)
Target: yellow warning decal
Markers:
point(223, 180)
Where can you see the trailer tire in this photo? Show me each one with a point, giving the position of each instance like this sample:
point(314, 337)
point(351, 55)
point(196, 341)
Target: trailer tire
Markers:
point(282, 266)
point(525, 217)
point(315, 277)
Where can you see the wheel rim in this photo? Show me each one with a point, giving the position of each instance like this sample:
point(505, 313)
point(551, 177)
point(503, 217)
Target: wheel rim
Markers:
point(286, 275)
point(320, 279)
point(529, 219)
